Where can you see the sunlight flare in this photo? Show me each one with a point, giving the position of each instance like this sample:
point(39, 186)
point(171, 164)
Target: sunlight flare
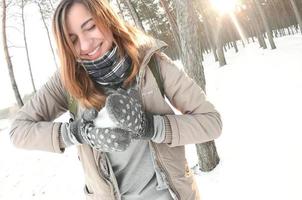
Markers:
point(224, 6)
point(238, 27)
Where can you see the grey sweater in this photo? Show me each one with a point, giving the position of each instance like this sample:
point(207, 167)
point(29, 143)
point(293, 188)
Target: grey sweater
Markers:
point(135, 174)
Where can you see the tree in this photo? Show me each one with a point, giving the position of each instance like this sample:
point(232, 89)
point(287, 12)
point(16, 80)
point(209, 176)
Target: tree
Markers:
point(266, 24)
point(220, 44)
point(22, 6)
point(7, 56)
point(135, 17)
point(208, 29)
point(252, 14)
point(213, 24)
point(120, 12)
point(45, 12)
point(297, 14)
point(207, 154)
point(155, 23)
point(173, 24)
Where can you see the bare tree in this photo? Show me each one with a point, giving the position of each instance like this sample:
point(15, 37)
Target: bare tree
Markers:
point(7, 56)
point(207, 154)
point(22, 6)
point(51, 5)
point(121, 14)
point(134, 15)
point(252, 14)
point(213, 27)
point(297, 14)
point(207, 28)
point(220, 44)
point(173, 24)
point(266, 24)
point(45, 12)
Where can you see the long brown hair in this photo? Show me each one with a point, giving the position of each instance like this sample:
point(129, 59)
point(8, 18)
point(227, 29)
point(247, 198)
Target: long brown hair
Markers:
point(74, 77)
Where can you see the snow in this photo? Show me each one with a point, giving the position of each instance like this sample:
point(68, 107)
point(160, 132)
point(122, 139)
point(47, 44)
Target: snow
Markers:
point(38, 175)
point(258, 95)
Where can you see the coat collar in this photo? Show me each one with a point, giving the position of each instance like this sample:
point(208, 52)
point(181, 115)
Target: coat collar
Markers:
point(147, 46)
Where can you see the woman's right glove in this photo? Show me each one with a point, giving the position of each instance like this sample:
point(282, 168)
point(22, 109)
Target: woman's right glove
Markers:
point(83, 131)
point(126, 110)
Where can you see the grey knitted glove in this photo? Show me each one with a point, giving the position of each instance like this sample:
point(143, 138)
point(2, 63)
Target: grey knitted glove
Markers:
point(72, 132)
point(126, 110)
point(107, 139)
point(83, 131)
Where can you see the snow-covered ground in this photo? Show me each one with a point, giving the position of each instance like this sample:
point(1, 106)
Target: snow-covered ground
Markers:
point(259, 97)
point(26, 175)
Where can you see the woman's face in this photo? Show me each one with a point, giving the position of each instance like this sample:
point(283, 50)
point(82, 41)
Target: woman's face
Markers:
point(89, 41)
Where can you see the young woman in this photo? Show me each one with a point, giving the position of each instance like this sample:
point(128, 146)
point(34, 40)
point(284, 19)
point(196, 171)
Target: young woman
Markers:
point(104, 65)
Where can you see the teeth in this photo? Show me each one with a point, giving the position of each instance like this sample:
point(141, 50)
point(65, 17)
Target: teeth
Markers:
point(92, 53)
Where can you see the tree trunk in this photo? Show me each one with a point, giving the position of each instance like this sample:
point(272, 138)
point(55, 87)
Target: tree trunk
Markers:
point(208, 29)
point(207, 154)
point(255, 23)
point(266, 25)
point(297, 14)
point(153, 24)
point(232, 37)
point(48, 35)
point(285, 16)
point(210, 39)
point(26, 47)
point(134, 15)
point(7, 57)
point(51, 5)
point(120, 9)
point(173, 25)
point(220, 53)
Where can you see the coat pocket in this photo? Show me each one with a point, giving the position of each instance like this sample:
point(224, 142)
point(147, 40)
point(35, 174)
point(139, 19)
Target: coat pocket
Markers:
point(90, 195)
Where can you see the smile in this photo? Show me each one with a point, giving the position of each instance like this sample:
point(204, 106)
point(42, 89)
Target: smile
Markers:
point(94, 52)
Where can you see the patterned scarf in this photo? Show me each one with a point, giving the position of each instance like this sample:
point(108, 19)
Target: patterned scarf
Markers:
point(108, 70)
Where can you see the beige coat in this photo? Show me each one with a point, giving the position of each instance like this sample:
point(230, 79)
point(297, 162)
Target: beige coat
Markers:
point(33, 127)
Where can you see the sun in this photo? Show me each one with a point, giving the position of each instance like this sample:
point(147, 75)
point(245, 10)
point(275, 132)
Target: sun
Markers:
point(224, 6)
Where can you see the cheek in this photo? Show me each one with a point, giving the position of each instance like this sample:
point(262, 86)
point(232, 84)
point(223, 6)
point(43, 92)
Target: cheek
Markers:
point(109, 36)
point(105, 34)
point(97, 34)
point(77, 48)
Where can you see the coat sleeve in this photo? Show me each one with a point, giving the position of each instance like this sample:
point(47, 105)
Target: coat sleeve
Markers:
point(33, 126)
point(200, 122)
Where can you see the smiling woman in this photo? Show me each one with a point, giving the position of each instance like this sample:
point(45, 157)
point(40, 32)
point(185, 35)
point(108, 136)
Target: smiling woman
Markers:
point(105, 65)
point(224, 6)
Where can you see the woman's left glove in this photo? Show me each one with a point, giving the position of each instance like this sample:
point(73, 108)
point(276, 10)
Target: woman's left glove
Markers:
point(83, 131)
point(72, 132)
point(107, 139)
point(126, 110)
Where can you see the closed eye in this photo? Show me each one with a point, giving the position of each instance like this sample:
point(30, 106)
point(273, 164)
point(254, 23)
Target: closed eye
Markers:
point(91, 28)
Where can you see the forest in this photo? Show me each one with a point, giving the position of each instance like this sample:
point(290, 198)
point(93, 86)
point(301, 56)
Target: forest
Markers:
point(194, 30)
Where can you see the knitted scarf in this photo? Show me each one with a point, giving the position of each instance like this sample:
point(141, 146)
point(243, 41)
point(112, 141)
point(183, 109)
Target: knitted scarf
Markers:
point(108, 69)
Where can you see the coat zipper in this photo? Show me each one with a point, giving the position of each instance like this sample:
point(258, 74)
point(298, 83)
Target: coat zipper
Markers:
point(172, 187)
point(108, 179)
point(159, 162)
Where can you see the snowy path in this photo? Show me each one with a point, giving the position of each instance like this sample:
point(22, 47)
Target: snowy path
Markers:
point(259, 96)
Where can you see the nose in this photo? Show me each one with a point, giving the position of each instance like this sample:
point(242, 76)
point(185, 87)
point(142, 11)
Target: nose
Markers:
point(85, 44)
